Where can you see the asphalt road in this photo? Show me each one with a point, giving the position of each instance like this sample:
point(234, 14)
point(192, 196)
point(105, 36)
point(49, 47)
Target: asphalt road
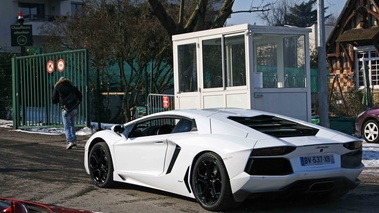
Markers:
point(38, 168)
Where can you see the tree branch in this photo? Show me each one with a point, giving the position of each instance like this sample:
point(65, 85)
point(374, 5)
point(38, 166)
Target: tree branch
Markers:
point(250, 11)
point(193, 21)
point(224, 13)
point(167, 22)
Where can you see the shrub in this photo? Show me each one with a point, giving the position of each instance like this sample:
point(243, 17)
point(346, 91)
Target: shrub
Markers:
point(349, 103)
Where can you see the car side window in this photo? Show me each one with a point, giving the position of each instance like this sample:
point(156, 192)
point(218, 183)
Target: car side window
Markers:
point(161, 126)
point(157, 126)
point(185, 125)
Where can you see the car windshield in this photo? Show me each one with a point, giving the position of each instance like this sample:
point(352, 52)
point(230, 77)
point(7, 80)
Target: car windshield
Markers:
point(274, 126)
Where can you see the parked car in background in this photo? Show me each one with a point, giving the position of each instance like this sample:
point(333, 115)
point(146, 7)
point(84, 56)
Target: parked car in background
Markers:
point(10, 205)
point(221, 156)
point(367, 125)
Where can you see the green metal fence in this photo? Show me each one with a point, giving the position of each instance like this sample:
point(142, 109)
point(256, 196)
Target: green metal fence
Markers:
point(33, 82)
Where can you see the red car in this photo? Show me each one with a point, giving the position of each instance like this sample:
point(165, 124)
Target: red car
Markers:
point(367, 125)
point(8, 205)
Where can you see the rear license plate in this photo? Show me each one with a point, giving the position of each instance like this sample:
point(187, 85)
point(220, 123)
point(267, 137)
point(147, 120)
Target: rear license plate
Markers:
point(317, 160)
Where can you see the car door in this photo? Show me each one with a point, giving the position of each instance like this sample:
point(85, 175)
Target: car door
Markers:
point(141, 155)
point(143, 152)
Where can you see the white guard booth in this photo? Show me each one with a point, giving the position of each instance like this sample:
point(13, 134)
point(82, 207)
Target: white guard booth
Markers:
point(245, 66)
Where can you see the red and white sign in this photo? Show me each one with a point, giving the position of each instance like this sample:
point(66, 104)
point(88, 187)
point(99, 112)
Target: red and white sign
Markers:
point(165, 101)
point(50, 66)
point(60, 65)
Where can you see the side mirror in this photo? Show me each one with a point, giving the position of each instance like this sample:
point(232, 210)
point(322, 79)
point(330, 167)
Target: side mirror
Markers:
point(18, 207)
point(119, 128)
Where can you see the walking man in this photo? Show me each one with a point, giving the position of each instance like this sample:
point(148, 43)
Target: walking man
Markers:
point(69, 97)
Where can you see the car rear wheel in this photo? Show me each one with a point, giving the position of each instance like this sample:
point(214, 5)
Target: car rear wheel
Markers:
point(100, 165)
point(371, 131)
point(210, 183)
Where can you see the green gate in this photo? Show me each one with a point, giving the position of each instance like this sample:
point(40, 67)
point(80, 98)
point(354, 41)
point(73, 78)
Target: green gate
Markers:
point(34, 78)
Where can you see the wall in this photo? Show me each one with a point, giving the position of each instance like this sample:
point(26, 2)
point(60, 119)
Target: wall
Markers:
point(8, 16)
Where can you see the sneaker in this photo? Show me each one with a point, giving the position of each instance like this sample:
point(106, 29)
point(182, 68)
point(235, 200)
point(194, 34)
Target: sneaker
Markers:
point(70, 145)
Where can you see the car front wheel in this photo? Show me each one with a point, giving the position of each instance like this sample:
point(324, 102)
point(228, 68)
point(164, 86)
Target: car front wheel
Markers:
point(100, 165)
point(371, 131)
point(210, 183)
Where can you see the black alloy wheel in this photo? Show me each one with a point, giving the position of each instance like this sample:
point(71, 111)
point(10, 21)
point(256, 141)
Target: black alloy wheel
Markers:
point(100, 165)
point(210, 183)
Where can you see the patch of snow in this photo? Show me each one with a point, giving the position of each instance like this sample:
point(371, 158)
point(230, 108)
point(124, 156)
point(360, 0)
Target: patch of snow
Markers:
point(370, 156)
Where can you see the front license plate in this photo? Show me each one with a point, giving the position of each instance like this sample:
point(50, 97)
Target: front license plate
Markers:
point(317, 160)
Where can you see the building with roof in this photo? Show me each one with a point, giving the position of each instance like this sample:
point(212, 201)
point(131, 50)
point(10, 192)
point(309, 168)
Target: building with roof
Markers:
point(352, 47)
point(35, 14)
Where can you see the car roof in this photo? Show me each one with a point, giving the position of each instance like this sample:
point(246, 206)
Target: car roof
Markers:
point(213, 112)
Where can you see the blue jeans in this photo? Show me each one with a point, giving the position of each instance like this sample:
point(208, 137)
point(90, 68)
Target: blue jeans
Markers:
point(69, 125)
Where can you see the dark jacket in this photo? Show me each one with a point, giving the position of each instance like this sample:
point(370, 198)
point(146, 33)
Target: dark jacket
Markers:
point(62, 89)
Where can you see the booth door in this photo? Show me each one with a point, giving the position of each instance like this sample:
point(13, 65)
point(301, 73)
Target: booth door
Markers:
point(281, 82)
point(186, 78)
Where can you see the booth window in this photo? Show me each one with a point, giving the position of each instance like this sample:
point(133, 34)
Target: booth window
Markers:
point(294, 62)
point(235, 60)
point(187, 68)
point(224, 58)
point(212, 63)
point(281, 61)
point(267, 63)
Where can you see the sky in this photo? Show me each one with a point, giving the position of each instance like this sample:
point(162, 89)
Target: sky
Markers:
point(334, 7)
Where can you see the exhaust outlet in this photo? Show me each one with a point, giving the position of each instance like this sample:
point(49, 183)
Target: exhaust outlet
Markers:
point(322, 186)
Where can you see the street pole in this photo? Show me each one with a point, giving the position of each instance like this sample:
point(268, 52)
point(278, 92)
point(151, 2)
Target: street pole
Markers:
point(20, 19)
point(323, 74)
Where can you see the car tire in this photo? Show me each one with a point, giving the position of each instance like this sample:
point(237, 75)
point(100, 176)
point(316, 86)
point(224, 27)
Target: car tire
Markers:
point(100, 165)
point(370, 131)
point(210, 183)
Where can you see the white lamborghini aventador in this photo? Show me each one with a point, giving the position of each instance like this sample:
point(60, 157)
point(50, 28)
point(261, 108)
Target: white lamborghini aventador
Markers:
point(221, 156)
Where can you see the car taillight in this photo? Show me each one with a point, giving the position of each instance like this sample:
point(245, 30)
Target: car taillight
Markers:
point(353, 145)
point(273, 151)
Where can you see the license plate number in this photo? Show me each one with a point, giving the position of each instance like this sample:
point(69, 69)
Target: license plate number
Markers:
point(317, 160)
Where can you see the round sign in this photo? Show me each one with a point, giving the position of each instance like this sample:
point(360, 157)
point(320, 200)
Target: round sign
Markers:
point(60, 65)
point(165, 101)
point(22, 40)
point(50, 66)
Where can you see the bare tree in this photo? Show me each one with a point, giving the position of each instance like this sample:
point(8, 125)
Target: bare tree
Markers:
point(290, 12)
point(134, 37)
point(331, 20)
point(119, 34)
point(191, 15)
point(276, 16)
